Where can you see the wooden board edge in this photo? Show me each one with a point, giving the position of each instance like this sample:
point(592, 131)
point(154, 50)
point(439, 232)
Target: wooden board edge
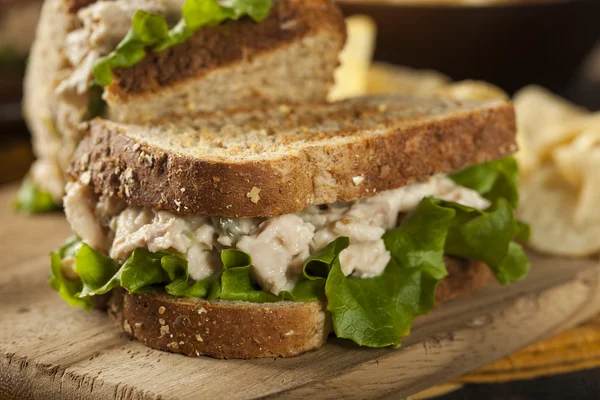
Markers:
point(447, 356)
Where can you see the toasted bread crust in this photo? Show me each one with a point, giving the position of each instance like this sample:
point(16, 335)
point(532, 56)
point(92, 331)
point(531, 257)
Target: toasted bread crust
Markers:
point(211, 48)
point(249, 330)
point(221, 329)
point(116, 165)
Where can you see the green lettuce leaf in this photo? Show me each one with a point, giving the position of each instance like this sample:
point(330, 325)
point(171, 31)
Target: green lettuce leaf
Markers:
point(488, 236)
point(316, 269)
point(142, 270)
point(68, 289)
point(236, 283)
point(493, 180)
point(32, 200)
point(496, 181)
point(378, 311)
point(151, 31)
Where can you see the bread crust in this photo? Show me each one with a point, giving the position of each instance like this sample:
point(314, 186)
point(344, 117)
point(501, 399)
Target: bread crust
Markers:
point(316, 171)
point(233, 42)
point(224, 329)
point(221, 329)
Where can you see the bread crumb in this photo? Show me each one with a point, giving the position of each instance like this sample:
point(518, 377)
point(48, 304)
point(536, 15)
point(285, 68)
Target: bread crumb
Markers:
point(199, 338)
point(161, 310)
point(161, 321)
point(138, 325)
point(164, 330)
point(357, 180)
point(253, 195)
point(201, 311)
point(85, 178)
point(128, 174)
point(289, 333)
point(182, 343)
point(127, 327)
point(182, 190)
point(146, 159)
point(173, 346)
point(136, 147)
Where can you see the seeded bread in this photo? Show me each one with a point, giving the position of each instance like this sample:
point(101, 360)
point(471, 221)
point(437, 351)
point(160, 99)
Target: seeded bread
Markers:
point(225, 329)
point(41, 106)
point(279, 160)
point(289, 57)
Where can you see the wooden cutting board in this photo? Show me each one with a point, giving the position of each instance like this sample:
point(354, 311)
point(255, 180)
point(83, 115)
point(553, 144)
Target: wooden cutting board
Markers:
point(49, 350)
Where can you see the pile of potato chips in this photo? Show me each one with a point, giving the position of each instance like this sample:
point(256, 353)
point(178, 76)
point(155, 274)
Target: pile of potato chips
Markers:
point(560, 173)
point(559, 143)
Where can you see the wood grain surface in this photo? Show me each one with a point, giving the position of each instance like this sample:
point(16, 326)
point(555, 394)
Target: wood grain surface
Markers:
point(49, 350)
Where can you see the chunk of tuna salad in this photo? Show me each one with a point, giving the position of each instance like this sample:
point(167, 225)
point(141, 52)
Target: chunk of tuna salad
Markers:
point(278, 246)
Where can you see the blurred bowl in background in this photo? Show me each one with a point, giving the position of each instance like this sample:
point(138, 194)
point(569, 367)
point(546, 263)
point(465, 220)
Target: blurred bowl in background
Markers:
point(510, 45)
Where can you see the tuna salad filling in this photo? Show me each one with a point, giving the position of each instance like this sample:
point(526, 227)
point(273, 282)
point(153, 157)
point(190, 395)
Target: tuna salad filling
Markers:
point(392, 245)
point(278, 246)
point(101, 26)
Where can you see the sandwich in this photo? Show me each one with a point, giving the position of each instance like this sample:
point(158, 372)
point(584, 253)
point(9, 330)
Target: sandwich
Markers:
point(17, 30)
point(259, 232)
point(143, 60)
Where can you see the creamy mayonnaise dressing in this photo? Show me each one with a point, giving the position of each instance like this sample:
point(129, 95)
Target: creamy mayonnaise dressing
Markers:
point(278, 246)
point(102, 25)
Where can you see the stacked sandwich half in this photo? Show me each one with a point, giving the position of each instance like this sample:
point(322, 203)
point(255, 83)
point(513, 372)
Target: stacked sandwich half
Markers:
point(221, 207)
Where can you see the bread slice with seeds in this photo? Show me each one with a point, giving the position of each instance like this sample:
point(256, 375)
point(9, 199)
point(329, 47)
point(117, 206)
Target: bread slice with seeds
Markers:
point(278, 160)
point(236, 329)
point(290, 57)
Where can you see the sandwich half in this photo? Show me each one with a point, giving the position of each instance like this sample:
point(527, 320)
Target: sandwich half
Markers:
point(257, 233)
point(141, 60)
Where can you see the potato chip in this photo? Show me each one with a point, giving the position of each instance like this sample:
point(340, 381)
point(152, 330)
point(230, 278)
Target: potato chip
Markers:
point(561, 220)
point(387, 78)
point(579, 164)
point(579, 157)
point(471, 90)
point(355, 60)
point(545, 120)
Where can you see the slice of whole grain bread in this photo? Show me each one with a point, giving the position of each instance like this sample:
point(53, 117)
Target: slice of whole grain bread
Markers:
point(290, 57)
point(236, 329)
point(277, 160)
